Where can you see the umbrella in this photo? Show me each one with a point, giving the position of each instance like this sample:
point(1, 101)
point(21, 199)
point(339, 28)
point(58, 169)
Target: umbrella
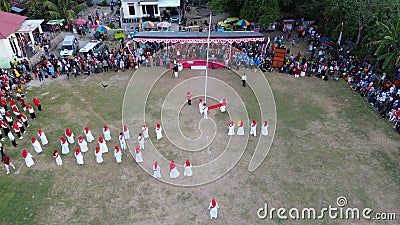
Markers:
point(102, 28)
point(148, 25)
point(54, 22)
point(243, 23)
point(164, 25)
point(232, 19)
point(79, 21)
point(222, 24)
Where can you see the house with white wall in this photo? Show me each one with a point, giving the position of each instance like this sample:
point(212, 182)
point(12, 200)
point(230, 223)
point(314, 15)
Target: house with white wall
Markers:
point(134, 11)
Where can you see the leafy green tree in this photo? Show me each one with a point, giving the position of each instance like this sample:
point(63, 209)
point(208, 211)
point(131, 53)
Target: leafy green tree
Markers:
point(5, 6)
point(36, 10)
point(389, 46)
point(261, 11)
point(64, 9)
point(232, 7)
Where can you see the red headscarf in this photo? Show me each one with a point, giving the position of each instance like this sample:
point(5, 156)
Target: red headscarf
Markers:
point(231, 123)
point(155, 165)
point(254, 122)
point(68, 132)
point(101, 139)
point(80, 138)
point(24, 153)
point(15, 109)
point(116, 148)
point(7, 114)
point(200, 100)
point(158, 125)
point(12, 102)
point(187, 163)
point(40, 132)
point(77, 151)
point(125, 128)
point(105, 128)
point(29, 106)
point(241, 123)
point(213, 203)
point(172, 165)
point(97, 149)
point(145, 125)
point(63, 140)
point(55, 152)
point(36, 101)
point(265, 123)
point(87, 129)
point(33, 140)
point(137, 150)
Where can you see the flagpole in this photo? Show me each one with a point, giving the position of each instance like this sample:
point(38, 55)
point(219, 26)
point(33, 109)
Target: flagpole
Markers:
point(340, 35)
point(208, 48)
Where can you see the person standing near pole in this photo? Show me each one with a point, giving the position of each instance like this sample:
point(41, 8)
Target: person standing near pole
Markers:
point(244, 79)
point(189, 98)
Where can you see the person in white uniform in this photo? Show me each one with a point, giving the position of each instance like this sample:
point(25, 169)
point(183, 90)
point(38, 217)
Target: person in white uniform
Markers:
point(127, 134)
point(145, 131)
point(70, 135)
point(99, 155)
point(64, 146)
point(36, 145)
point(138, 155)
point(141, 141)
point(122, 141)
point(117, 154)
point(42, 137)
point(159, 131)
point(88, 134)
point(57, 157)
point(106, 133)
point(28, 158)
point(231, 127)
point(156, 171)
point(173, 171)
point(201, 106)
point(253, 128)
point(102, 145)
point(188, 169)
point(240, 130)
point(78, 156)
point(82, 144)
point(213, 209)
point(264, 129)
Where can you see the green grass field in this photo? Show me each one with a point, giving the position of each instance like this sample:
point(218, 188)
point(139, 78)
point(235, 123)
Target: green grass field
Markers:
point(329, 143)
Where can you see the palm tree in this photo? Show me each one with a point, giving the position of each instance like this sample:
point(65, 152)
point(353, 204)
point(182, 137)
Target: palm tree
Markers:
point(66, 9)
point(389, 46)
point(5, 6)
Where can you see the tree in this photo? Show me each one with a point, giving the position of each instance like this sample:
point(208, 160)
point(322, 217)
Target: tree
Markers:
point(5, 6)
point(64, 9)
point(389, 46)
point(261, 11)
point(36, 10)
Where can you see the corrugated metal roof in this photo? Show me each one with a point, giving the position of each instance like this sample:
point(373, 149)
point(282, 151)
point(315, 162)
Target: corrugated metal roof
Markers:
point(9, 23)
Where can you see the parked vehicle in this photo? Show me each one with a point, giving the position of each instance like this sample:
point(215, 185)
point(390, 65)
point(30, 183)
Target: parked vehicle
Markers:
point(69, 46)
point(94, 46)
